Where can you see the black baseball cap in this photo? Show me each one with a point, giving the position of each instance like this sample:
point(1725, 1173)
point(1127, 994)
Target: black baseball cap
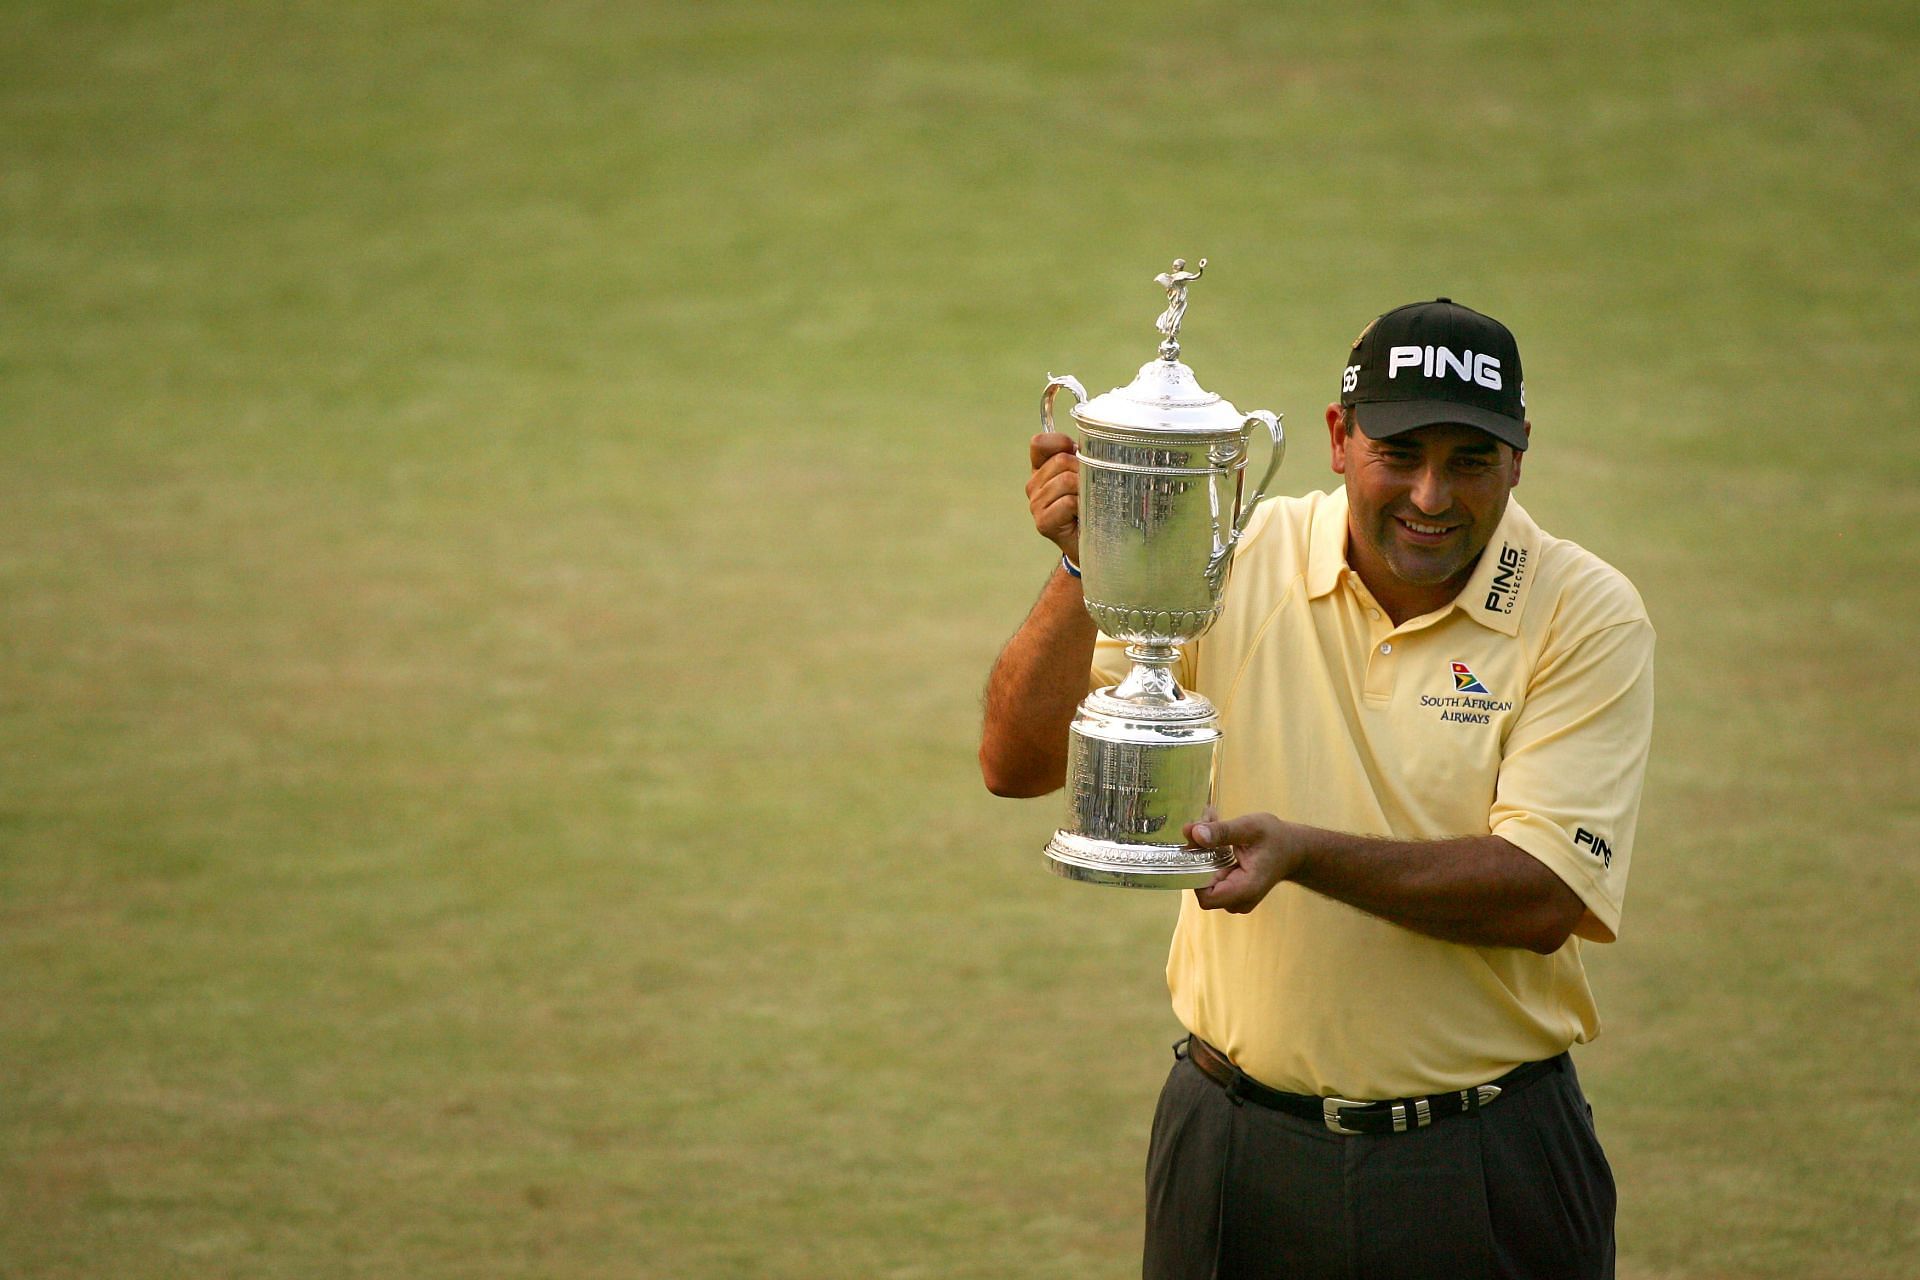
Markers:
point(1438, 361)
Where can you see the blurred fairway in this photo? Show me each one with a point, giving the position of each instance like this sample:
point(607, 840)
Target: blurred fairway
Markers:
point(506, 509)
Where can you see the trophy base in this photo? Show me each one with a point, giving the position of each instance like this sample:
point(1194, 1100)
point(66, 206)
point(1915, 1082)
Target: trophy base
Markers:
point(1133, 866)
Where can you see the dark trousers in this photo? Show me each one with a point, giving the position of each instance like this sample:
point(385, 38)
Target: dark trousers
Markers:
point(1236, 1191)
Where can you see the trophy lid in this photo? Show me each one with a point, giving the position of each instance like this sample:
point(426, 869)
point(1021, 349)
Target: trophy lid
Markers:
point(1164, 397)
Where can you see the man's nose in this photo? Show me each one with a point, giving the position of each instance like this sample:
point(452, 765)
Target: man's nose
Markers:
point(1431, 492)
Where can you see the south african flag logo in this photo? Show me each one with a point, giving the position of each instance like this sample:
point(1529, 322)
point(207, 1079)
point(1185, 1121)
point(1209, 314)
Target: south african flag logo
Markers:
point(1464, 681)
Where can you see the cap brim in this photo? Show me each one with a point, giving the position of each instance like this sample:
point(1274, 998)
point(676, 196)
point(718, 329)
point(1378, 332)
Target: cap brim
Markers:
point(1384, 419)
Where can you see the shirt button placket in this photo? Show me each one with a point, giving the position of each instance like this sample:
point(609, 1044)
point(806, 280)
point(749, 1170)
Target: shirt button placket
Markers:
point(1380, 668)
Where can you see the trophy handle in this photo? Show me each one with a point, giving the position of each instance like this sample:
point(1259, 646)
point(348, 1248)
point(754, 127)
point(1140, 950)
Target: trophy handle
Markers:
point(1066, 380)
point(1217, 563)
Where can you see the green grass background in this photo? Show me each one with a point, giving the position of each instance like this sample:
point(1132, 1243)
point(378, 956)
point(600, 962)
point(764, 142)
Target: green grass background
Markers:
point(505, 511)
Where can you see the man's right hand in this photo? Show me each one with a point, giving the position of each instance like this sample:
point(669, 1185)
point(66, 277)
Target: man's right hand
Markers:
point(1041, 675)
point(1053, 490)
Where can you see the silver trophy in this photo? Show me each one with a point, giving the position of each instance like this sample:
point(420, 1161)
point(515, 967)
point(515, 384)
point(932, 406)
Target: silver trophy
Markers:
point(1162, 465)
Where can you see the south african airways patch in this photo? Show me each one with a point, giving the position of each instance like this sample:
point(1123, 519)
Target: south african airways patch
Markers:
point(1464, 681)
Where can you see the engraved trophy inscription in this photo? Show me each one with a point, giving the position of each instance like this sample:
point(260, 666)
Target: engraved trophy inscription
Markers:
point(1162, 463)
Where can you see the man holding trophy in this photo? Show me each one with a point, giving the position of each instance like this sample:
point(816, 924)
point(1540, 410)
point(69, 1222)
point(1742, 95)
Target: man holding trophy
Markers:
point(1426, 722)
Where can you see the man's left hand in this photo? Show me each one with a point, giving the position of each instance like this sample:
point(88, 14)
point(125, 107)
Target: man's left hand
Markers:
point(1266, 851)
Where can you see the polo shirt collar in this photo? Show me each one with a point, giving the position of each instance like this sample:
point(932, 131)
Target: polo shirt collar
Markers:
point(1495, 596)
point(1327, 545)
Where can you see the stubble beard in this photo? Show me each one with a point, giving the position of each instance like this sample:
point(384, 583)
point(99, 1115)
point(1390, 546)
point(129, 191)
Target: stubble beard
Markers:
point(1451, 562)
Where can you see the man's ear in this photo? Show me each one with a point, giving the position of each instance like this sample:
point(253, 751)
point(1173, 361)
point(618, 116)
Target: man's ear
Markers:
point(1519, 455)
point(1338, 433)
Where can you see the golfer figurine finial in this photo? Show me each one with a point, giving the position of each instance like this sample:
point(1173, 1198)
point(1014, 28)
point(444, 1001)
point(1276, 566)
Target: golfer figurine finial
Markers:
point(1175, 282)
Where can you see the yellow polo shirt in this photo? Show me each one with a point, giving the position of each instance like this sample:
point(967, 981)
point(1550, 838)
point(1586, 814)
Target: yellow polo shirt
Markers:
point(1522, 709)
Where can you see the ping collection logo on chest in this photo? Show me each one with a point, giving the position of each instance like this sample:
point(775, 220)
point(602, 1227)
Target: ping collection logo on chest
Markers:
point(1471, 702)
point(1508, 573)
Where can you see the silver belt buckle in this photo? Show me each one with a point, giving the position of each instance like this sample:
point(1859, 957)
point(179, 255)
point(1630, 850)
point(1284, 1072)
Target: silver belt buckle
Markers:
point(1330, 1112)
point(1417, 1114)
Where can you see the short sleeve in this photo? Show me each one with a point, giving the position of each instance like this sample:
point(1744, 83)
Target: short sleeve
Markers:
point(1573, 764)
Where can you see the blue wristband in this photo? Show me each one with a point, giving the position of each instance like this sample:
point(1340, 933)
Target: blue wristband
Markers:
point(1067, 564)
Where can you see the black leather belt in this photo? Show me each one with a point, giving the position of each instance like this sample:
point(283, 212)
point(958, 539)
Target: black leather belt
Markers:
point(1343, 1115)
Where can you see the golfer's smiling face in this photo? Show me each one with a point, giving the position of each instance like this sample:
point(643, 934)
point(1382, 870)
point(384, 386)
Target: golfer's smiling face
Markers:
point(1421, 507)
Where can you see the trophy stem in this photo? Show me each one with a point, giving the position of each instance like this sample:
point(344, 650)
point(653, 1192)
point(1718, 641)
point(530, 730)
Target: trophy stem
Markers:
point(1151, 679)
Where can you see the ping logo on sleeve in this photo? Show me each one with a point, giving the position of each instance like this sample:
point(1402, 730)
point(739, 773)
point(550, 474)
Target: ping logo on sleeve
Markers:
point(1595, 845)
